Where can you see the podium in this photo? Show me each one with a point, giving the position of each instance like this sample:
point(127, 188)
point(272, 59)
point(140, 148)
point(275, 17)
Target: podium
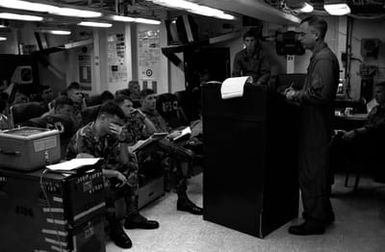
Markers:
point(250, 172)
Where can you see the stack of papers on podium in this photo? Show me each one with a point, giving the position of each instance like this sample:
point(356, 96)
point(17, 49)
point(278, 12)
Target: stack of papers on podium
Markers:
point(233, 87)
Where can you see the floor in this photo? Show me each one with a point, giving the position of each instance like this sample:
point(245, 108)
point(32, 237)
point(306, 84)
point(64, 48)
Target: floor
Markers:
point(359, 226)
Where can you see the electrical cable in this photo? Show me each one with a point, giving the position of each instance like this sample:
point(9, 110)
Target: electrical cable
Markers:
point(50, 208)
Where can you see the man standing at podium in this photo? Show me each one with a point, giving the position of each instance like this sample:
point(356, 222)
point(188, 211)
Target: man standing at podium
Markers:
point(316, 106)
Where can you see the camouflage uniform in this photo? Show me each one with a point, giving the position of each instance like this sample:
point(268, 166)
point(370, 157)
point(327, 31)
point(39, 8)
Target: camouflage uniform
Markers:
point(135, 125)
point(170, 155)
point(160, 124)
point(78, 119)
point(86, 141)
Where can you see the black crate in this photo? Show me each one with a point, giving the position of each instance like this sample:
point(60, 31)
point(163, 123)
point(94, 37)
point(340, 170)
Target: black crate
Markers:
point(27, 212)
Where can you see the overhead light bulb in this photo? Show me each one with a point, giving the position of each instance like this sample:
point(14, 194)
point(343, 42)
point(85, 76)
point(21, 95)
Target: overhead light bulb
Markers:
point(95, 24)
point(337, 9)
point(3, 38)
point(14, 16)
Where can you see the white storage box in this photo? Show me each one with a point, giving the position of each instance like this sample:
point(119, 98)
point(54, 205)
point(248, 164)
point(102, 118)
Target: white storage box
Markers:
point(28, 148)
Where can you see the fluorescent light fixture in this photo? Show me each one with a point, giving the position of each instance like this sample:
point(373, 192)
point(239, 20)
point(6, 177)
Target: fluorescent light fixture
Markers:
point(136, 20)
point(95, 24)
point(70, 12)
point(147, 21)
point(52, 9)
point(123, 18)
point(194, 8)
point(3, 38)
point(307, 8)
point(2, 26)
point(14, 16)
point(56, 32)
point(60, 32)
point(25, 5)
point(337, 9)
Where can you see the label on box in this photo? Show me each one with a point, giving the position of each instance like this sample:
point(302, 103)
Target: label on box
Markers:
point(45, 143)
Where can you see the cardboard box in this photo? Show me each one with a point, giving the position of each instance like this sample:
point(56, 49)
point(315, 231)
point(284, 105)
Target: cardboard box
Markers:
point(28, 148)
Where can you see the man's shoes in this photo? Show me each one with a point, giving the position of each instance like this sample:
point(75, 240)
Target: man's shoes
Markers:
point(187, 206)
point(309, 227)
point(139, 221)
point(119, 237)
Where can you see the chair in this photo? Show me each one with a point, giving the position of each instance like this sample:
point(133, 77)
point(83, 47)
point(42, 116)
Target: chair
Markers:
point(24, 111)
point(363, 155)
point(189, 101)
point(168, 107)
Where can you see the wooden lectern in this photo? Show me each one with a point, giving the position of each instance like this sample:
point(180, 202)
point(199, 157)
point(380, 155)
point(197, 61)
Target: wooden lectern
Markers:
point(250, 173)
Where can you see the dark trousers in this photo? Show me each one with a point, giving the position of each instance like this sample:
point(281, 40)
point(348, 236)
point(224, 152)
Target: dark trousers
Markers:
point(314, 180)
point(362, 154)
point(113, 192)
point(169, 157)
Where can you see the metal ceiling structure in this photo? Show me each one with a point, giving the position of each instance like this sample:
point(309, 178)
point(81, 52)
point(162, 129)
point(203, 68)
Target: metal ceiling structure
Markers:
point(274, 11)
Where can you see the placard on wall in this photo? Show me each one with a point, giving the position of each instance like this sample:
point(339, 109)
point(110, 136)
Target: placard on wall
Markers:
point(116, 58)
point(149, 55)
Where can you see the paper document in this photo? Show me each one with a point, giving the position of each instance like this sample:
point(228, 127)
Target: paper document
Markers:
point(233, 87)
point(73, 164)
point(143, 143)
point(185, 131)
point(139, 145)
point(370, 105)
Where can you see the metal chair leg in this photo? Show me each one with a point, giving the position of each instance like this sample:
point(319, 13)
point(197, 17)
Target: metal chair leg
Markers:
point(356, 181)
point(346, 179)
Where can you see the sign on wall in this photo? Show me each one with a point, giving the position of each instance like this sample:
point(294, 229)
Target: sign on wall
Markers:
point(85, 76)
point(149, 54)
point(116, 58)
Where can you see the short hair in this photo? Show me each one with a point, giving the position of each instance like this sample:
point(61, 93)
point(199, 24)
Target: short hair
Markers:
point(380, 84)
point(318, 23)
point(133, 82)
point(44, 87)
point(73, 85)
point(63, 100)
point(251, 33)
point(106, 95)
point(111, 108)
point(146, 92)
point(119, 99)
